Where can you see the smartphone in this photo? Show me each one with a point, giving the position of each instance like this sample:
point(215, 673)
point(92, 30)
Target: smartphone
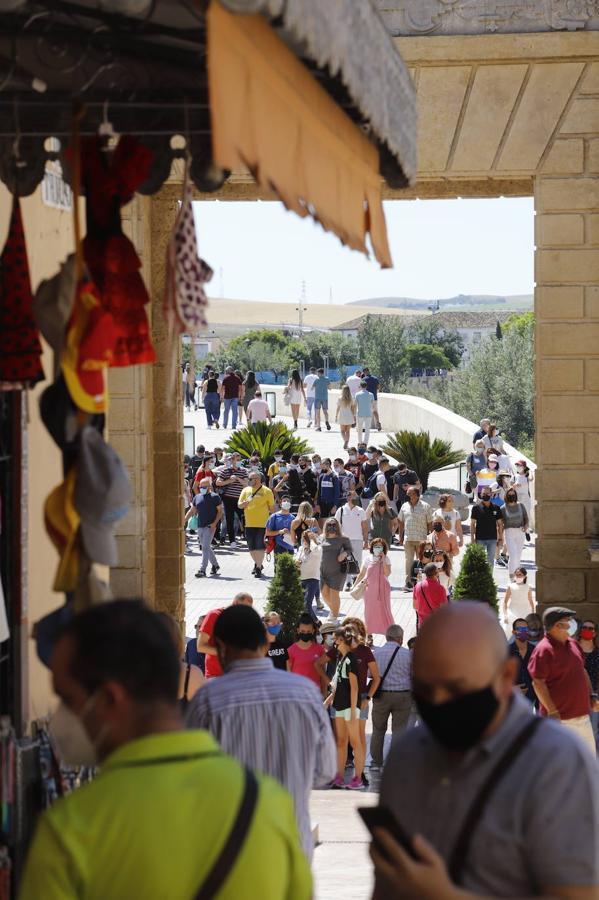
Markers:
point(381, 817)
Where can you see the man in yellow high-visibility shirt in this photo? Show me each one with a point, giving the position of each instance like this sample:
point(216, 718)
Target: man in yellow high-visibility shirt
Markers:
point(157, 819)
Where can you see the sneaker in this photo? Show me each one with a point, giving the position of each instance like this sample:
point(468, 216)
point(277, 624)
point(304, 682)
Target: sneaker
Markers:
point(333, 620)
point(355, 784)
point(527, 536)
point(374, 768)
point(215, 570)
point(365, 781)
point(234, 545)
point(258, 573)
point(309, 424)
point(337, 782)
point(379, 427)
point(217, 425)
point(295, 423)
point(319, 604)
point(328, 426)
point(200, 573)
point(254, 569)
point(319, 428)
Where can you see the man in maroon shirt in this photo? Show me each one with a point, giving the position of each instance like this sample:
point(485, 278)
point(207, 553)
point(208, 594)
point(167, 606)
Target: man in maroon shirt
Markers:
point(559, 676)
point(205, 641)
point(229, 393)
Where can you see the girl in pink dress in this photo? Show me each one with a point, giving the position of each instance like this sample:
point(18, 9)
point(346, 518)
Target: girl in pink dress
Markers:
point(377, 598)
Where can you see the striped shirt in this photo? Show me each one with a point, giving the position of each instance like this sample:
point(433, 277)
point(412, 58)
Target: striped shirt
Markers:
point(273, 721)
point(417, 520)
point(399, 676)
point(235, 488)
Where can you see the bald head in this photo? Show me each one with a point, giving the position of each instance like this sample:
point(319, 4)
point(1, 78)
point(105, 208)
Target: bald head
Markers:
point(460, 648)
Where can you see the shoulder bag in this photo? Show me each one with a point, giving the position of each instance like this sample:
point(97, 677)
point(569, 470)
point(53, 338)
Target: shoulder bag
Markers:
point(233, 846)
point(459, 855)
point(378, 691)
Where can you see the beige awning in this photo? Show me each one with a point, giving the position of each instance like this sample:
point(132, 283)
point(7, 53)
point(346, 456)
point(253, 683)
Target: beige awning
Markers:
point(270, 114)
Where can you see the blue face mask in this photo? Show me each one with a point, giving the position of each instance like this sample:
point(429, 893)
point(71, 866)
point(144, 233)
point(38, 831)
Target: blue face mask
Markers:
point(203, 490)
point(273, 629)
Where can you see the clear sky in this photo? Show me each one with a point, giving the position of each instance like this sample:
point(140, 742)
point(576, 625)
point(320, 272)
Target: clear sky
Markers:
point(440, 248)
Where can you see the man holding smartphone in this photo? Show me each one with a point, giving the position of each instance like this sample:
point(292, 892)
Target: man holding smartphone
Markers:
point(477, 822)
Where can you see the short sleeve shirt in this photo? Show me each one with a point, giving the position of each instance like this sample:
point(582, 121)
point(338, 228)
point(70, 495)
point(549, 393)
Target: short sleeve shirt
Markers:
point(231, 385)
point(364, 656)
point(364, 401)
point(213, 667)
point(277, 652)
point(346, 666)
point(403, 480)
point(206, 506)
point(372, 385)
point(486, 519)
point(561, 667)
point(302, 661)
point(257, 513)
point(321, 388)
point(258, 410)
point(309, 384)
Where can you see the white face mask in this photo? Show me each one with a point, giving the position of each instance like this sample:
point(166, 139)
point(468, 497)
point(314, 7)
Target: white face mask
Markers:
point(439, 565)
point(377, 551)
point(68, 732)
point(519, 580)
point(328, 640)
point(286, 506)
point(573, 627)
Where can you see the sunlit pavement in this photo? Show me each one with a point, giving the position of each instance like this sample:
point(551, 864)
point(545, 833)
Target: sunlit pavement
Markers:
point(344, 840)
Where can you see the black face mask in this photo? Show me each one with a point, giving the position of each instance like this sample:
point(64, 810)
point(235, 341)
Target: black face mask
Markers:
point(437, 526)
point(306, 636)
point(459, 724)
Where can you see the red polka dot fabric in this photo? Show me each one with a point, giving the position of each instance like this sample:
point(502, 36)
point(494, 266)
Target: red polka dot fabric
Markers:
point(20, 347)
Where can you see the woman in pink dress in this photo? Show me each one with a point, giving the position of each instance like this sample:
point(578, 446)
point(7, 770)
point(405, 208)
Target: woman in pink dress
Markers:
point(377, 598)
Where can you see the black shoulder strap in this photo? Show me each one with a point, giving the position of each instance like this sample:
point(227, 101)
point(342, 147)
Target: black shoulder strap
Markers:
point(389, 664)
point(462, 846)
point(186, 685)
point(234, 844)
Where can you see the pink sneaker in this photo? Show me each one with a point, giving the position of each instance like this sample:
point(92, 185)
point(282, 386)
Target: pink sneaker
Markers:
point(355, 784)
point(337, 782)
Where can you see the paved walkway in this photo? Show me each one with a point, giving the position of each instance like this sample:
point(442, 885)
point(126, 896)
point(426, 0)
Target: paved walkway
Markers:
point(342, 866)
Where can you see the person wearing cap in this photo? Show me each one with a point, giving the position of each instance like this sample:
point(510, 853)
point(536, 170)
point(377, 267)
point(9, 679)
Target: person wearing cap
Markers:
point(538, 832)
point(133, 830)
point(486, 525)
point(207, 506)
point(559, 676)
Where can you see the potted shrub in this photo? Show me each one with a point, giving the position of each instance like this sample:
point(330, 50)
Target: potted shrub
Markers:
point(475, 581)
point(264, 439)
point(286, 595)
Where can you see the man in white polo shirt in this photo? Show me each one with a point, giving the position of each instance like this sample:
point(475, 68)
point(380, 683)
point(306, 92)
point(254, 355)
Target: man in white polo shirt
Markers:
point(353, 382)
point(354, 525)
point(258, 410)
point(309, 389)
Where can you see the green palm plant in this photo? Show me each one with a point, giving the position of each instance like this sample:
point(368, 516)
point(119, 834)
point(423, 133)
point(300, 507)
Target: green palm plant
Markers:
point(264, 439)
point(421, 454)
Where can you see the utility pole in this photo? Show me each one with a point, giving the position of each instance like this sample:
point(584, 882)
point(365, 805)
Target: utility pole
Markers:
point(301, 309)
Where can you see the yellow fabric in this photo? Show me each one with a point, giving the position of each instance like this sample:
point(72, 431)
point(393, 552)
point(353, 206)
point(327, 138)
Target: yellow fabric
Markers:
point(273, 470)
point(62, 524)
point(258, 511)
point(271, 115)
point(153, 831)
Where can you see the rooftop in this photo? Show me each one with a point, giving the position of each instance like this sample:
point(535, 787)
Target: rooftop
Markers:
point(458, 319)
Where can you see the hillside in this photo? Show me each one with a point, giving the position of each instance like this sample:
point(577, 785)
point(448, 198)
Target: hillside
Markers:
point(224, 315)
point(466, 302)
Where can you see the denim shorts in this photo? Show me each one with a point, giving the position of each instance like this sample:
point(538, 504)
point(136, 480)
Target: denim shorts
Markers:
point(344, 713)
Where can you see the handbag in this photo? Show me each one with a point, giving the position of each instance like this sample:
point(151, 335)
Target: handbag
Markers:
point(192, 524)
point(286, 395)
point(378, 691)
point(350, 565)
point(358, 591)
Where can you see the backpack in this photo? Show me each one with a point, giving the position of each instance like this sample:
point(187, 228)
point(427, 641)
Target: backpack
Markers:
point(370, 488)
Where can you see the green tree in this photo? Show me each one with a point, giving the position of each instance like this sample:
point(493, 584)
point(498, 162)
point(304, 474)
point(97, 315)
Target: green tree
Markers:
point(421, 454)
point(523, 323)
point(286, 595)
point(447, 340)
point(264, 439)
point(425, 356)
point(475, 581)
point(382, 344)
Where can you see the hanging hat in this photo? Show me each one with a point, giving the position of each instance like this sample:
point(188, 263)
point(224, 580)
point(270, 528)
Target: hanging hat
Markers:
point(62, 524)
point(59, 413)
point(53, 305)
point(20, 347)
point(101, 495)
point(88, 349)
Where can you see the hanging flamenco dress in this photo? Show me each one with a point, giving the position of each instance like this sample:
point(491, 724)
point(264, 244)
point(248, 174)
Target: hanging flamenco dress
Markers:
point(20, 347)
point(109, 182)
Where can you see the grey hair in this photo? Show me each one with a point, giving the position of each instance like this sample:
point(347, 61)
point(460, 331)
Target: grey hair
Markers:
point(394, 633)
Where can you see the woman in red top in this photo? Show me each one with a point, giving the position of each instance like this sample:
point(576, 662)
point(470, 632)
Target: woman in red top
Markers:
point(429, 594)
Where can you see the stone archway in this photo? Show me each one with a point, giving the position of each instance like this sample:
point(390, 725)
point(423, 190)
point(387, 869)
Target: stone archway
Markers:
point(499, 115)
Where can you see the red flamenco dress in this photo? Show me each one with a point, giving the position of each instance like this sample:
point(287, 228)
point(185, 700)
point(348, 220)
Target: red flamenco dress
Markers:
point(109, 181)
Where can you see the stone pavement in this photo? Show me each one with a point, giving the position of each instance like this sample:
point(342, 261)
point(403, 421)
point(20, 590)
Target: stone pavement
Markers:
point(341, 863)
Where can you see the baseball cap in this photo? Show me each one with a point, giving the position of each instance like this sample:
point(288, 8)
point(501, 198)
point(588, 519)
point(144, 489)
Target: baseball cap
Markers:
point(53, 304)
point(88, 349)
point(520, 462)
point(554, 614)
point(62, 524)
point(59, 413)
point(101, 495)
